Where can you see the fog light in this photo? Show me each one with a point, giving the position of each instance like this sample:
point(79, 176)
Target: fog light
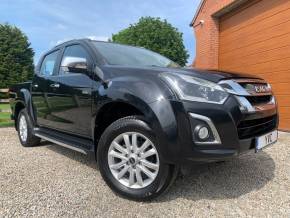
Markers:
point(203, 132)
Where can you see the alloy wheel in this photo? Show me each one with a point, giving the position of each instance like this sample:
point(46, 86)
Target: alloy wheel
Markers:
point(133, 160)
point(23, 128)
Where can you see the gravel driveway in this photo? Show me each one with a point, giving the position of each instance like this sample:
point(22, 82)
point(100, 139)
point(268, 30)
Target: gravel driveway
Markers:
point(50, 180)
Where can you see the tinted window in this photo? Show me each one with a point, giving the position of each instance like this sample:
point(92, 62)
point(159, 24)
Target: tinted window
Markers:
point(74, 60)
point(116, 54)
point(48, 64)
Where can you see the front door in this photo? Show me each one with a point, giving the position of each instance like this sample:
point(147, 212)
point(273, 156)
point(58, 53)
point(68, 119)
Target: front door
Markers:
point(73, 107)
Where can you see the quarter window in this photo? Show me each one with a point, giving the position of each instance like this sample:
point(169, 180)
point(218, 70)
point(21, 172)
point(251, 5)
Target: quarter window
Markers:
point(48, 64)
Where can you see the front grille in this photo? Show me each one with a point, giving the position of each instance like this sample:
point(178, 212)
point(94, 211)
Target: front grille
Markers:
point(256, 87)
point(254, 96)
point(254, 100)
point(250, 86)
point(251, 128)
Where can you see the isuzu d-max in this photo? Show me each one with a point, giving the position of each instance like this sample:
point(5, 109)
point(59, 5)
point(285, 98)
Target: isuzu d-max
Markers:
point(140, 114)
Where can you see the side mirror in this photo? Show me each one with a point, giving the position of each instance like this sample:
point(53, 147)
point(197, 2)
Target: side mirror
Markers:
point(74, 64)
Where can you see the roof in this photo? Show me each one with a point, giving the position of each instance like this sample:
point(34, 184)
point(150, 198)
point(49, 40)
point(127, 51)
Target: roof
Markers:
point(71, 41)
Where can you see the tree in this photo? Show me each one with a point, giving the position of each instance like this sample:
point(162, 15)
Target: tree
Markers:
point(156, 35)
point(16, 56)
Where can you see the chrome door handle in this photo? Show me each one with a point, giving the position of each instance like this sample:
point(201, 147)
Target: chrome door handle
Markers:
point(54, 85)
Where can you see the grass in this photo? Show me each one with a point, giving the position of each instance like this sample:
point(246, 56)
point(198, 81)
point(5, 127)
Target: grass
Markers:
point(5, 120)
point(6, 124)
point(4, 106)
point(4, 115)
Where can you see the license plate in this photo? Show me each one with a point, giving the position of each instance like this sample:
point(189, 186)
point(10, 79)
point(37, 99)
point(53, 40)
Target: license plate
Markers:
point(266, 140)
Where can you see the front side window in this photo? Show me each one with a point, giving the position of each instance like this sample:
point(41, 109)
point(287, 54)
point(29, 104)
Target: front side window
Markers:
point(74, 60)
point(48, 64)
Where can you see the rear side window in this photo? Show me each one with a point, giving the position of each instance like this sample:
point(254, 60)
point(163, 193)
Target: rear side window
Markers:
point(74, 60)
point(48, 64)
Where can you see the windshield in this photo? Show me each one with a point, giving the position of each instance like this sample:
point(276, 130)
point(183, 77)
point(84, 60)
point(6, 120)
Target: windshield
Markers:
point(116, 54)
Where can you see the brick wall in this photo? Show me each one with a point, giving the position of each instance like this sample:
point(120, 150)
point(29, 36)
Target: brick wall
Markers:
point(207, 34)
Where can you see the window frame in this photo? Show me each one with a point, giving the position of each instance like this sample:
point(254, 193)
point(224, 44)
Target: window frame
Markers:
point(54, 73)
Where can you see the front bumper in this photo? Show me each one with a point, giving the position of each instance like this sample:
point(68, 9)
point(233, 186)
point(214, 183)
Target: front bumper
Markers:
point(230, 123)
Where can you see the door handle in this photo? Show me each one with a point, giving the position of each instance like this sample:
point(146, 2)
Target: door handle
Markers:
point(54, 85)
point(35, 85)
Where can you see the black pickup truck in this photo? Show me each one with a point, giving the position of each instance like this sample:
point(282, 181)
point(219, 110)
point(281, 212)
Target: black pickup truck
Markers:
point(140, 114)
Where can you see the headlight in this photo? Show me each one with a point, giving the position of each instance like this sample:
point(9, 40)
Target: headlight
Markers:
point(195, 89)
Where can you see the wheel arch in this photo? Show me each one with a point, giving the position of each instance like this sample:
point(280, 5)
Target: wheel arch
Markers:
point(22, 101)
point(19, 105)
point(158, 115)
point(114, 110)
point(27, 98)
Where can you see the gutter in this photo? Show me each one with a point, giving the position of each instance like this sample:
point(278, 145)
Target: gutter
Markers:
point(228, 8)
point(196, 13)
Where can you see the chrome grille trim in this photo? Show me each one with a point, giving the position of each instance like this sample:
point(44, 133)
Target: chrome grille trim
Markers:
point(234, 87)
point(250, 81)
point(245, 105)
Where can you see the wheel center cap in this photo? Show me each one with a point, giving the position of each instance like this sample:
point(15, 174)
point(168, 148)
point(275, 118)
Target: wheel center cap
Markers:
point(132, 160)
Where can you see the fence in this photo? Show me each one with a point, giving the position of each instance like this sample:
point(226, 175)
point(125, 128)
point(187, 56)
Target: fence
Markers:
point(5, 100)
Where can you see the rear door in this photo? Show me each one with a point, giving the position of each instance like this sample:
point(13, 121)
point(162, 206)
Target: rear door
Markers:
point(43, 90)
point(73, 107)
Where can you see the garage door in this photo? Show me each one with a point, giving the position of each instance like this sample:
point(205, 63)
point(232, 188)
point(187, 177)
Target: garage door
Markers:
point(256, 39)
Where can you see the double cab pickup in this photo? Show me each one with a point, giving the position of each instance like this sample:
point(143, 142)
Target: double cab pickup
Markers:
point(141, 115)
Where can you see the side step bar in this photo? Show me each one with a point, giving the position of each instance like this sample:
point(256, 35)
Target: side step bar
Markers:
point(83, 146)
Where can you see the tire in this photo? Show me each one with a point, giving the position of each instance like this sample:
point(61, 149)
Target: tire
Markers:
point(25, 130)
point(146, 188)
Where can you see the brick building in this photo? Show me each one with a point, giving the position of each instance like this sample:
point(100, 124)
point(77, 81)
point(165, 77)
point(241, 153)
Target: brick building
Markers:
point(250, 36)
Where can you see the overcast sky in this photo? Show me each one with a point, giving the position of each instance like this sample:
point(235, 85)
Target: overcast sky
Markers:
point(49, 22)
